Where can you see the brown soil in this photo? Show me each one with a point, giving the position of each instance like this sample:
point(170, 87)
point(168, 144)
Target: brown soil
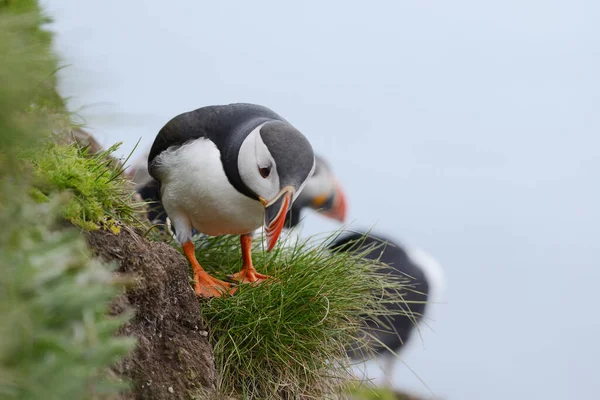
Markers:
point(173, 358)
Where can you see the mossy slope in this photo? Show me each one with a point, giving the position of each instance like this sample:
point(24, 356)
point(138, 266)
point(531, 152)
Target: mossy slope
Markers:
point(55, 340)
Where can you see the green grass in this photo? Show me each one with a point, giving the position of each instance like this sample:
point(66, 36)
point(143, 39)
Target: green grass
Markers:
point(287, 338)
point(99, 194)
point(56, 341)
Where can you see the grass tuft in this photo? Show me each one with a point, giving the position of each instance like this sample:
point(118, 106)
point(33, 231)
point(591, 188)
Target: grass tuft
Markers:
point(287, 338)
point(100, 197)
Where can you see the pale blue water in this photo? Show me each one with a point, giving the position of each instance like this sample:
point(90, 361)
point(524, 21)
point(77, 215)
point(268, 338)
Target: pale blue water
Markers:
point(467, 128)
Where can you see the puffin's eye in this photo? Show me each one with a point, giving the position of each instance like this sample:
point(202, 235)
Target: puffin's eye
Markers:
point(265, 172)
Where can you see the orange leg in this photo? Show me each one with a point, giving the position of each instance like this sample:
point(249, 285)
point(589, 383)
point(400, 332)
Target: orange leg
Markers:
point(204, 284)
point(248, 273)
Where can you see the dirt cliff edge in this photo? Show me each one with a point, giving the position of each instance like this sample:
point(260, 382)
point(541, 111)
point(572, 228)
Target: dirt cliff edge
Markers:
point(173, 358)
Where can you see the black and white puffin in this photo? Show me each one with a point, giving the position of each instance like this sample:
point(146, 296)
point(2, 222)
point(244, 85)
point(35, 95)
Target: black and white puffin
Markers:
point(228, 169)
point(424, 278)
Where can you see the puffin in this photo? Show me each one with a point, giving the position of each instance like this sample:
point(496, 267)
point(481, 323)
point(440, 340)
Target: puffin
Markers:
point(228, 169)
point(425, 284)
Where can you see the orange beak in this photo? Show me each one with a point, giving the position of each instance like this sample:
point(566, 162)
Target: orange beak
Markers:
point(275, 213)
point(338, 211)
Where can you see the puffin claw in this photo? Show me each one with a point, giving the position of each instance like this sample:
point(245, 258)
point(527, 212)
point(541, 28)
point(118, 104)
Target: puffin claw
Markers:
point(233, 283)
point(208, 286)
point(248, 276)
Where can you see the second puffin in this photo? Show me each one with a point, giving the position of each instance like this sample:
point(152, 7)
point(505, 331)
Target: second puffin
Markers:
point(227, 170)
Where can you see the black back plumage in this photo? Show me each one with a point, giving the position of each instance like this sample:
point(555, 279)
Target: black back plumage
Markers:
point(414, 299)
point(225, 125)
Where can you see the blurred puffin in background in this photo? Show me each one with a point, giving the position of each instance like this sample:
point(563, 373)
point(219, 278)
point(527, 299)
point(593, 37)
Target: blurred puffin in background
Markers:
point(322, 193)
point(424, 282)
point(228, 169)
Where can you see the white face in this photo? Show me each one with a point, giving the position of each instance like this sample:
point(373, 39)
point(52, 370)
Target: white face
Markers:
point(257, 167)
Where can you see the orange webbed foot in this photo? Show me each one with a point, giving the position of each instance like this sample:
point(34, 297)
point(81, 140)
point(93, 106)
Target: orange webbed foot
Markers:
point(248, 276)
point(206, 286)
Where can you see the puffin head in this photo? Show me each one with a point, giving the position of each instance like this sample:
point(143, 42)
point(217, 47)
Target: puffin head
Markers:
point(275, 161)
point(322, 193)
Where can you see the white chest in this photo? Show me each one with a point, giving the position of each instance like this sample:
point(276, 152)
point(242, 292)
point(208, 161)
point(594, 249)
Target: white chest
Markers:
point(194, 183)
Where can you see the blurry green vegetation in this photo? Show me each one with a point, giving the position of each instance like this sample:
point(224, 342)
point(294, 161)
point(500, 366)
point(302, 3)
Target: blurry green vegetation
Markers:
point(55, 338)
point(287, 338)
point(28, 97)
point(56, 341)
